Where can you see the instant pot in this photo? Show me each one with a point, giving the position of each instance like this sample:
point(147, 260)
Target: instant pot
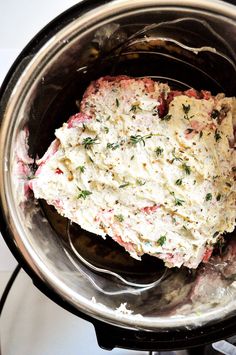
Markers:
point(186, 44)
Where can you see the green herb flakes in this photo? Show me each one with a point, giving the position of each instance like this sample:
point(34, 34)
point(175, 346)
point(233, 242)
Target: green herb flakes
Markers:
point(166, 117)
point(113, 146)
point(179, 182)
point(132, 157)
point(117, 103)
point(124, 185)
point(177, 201)
point(208, 197)
point(88, 142)
point(135, 139)
point(215, 114)
point(217, 135)
point(159, 151)
point(186, 109)
point(140, 182)
point(175, 156)
point(135, 108)
point(81, 168)
point(189, 130)
point(106, 130)
point(186, 168)
point(83, 193)
point(218, 197)
point(119, 217)
point(161, 241)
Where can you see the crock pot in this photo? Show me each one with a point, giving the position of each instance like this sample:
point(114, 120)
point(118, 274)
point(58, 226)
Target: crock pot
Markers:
point(187, 44)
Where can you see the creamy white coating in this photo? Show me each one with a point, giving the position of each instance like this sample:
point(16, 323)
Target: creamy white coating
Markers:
point(168, 191)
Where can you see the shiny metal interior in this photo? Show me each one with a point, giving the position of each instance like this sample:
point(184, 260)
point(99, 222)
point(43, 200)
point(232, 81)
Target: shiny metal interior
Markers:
point(192, 44)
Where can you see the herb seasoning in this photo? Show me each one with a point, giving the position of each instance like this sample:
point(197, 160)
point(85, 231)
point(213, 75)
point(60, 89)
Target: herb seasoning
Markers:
point(83, 193)
point(161, 241)
point(135, 139)
point(88, 142)
point(208, 196)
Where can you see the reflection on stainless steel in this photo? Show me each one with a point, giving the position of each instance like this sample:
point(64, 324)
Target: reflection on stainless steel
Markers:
point(141, 286)
point(44, 92)
point(112, 288)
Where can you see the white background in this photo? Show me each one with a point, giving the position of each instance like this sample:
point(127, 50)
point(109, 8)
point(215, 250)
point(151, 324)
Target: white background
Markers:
point(20, 20)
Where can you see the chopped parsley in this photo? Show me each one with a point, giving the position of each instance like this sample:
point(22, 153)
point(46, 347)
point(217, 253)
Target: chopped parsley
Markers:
point(140, 182)
point(186, 168)
point(166, 117)
point(159, 151)
point(106, 129)
point(179, 182)
point(161, 241)
point(217, 136)
point(124, 185)
point(119, 217)
point(208, 196)
point(132, 157)
point(200, 134)
point(138, 139)
point(88, 142)
point(83, 193)
point(117, 103)
point(81, 168)
point(113, 146)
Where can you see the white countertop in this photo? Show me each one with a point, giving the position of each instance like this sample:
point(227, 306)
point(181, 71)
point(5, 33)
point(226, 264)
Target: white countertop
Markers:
point(32, 324)
point(19, 22)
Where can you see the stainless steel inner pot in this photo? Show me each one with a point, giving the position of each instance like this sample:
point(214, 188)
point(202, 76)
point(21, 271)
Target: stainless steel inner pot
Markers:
point(187, 44)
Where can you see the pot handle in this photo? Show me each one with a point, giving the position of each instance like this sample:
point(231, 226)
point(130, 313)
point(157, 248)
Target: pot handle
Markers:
point(110, 337)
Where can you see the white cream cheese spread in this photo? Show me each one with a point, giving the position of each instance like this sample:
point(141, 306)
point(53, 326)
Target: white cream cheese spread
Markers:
point(150, 167)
